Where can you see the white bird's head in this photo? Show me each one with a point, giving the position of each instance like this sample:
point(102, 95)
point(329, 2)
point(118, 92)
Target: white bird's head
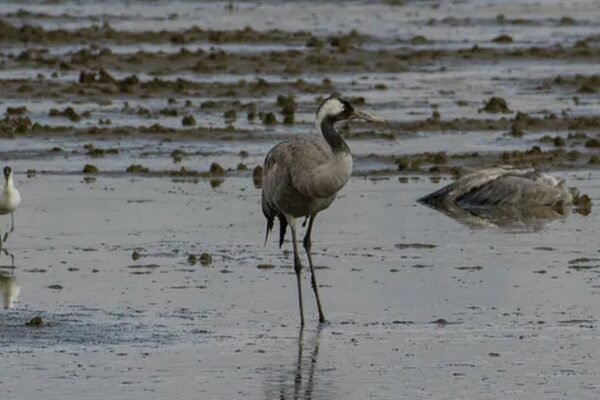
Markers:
point(7, 172)
point(335, 109)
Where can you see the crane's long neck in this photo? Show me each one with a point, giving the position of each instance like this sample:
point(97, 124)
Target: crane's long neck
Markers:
point(332, 136)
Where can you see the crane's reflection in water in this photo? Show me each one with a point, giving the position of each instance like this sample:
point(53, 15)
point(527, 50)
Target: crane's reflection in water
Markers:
point(528, 219)
point(9, 287)
point(303, 380)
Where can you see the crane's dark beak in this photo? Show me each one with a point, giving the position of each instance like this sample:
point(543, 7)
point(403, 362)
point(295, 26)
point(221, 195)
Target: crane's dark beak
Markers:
point(358, 114)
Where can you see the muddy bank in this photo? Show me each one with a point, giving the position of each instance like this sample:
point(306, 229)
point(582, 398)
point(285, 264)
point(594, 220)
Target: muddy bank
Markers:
point(340, 57)
point(101, 86)
point(457, 164)
point(105, 34)
point(18, 123)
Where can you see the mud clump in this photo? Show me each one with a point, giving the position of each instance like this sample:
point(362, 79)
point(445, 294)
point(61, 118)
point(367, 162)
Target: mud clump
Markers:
point(90, 169)
point(55, 287)
point(135, 255)
point(566, 20)
point(504, 38)
point(257, 176)
point(288, 108)
point(496, 105)
point(315, 42)
point(230, 116)
point(137, 169)
point(583, 204)
point(35, 322)
point(594, 160)
point(558, 141)
point(269, 119)
point(592, 143)
point(402, 246)
point(68, 113)
point(216, 169)
point(96, 152)
point(418, 40)
point(188, 120)
point(15, 125)
point(216, 182)
point(10, 111)
point(516, 130)
point(177, 156)
point(206, 259)
point(129, 84)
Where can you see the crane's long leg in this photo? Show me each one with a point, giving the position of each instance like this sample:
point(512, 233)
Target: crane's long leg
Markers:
point(313, 279)
point(298, 375)
point(308, 393)
point(297, 265)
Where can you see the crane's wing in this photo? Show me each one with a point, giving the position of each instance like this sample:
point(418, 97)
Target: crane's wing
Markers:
point(316, 171)
point(297, 170)
point(503, 186)
point(464, 185)
point(530, 189)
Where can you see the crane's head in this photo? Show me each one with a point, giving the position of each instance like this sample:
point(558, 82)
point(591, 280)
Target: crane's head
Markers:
point(7, 172)
point(336, 109)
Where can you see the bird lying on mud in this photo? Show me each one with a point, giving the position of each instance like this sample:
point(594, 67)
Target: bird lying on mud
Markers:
point(505, 197)
point(302, 176)
point(9, 200)
point(504, 187)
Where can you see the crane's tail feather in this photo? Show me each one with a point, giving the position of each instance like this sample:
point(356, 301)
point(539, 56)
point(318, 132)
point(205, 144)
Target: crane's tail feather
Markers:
point(269, 229)
point(282, 228)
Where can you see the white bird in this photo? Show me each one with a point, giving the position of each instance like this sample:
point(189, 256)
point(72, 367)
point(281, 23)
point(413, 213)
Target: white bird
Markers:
point(302, 177)
point(9, 200)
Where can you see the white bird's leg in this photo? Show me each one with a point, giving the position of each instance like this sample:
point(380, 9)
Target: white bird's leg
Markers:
point(12, 259)
point(297, 265)
point(313, 279)
point(12, 228)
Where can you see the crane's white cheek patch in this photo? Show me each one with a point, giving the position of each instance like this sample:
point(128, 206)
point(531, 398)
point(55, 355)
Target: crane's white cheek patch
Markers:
point(330, 107)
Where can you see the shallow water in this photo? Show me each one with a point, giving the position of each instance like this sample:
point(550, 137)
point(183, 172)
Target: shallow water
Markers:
point(128, 328)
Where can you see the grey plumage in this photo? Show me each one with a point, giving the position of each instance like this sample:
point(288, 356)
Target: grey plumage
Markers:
point(302, 177)
point(503, 187)
point(299, 179)
point(522, 199)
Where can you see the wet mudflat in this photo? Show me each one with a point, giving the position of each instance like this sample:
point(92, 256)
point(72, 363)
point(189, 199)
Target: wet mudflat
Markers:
point(418, 303)
point(134, 135)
